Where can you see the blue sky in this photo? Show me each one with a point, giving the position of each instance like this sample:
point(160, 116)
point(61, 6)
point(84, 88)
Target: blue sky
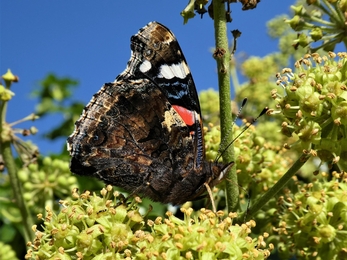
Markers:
point(90, 42)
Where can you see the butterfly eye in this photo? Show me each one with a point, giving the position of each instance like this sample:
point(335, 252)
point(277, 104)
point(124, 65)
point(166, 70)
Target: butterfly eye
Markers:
point(148, 54)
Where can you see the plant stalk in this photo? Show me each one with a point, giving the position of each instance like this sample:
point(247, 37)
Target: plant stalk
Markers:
point(222, 56)
point(7, 156)
point(274, 189)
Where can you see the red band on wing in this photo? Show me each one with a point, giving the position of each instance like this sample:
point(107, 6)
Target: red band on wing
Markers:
point(187, 115)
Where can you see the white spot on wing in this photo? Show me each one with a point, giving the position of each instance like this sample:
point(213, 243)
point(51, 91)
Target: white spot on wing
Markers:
point(69, 147)
point(180, 70)
point(145, 66)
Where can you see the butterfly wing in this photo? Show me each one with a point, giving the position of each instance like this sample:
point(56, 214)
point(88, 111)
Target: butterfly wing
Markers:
point(143, 132)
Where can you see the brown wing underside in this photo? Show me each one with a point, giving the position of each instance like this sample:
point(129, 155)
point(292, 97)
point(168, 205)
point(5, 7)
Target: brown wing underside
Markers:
point(130, 136)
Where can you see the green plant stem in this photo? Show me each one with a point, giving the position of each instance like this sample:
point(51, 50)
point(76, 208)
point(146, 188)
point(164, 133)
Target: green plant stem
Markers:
point(6, 152)
point(17, 191)
point(274, 190)
point(333, 13)
point(222, 56)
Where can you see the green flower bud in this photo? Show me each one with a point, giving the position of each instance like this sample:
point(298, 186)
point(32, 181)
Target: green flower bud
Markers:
point(327, 233)
point(33, 130)
point(311, 105)
point(52, 178)
point(33, 167)
point(7, 133)
point(28, 196)
point(310, 132)
point(339, 113)
point(302, 40)
point(343, 5)
point(296, 23)
point(297, 9)
point(6, 252)
point(87, 243)
point(23, 175)
point(61, 179)
point(28, 186)
point(335, 87)
point(9, 77)
point(5, 94)
point(41, 176)
point(47, 161)
point(316, 34)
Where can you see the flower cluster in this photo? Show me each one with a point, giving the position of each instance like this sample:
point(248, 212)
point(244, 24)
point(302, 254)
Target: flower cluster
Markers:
point(209, 104)
point(314, 105)
point(6, 252)
point(46, 180)
point(101, 227)
point(322, 20)
point(313, 221)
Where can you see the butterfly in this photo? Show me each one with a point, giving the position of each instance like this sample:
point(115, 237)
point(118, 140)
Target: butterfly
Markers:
point(143, 132)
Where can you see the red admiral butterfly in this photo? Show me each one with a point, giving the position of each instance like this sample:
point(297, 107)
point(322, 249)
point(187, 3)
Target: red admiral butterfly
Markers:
point(143, 132)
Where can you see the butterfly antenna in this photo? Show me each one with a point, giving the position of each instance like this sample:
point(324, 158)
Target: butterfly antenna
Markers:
point(220, 152)
point(244, 102)
point(244, 129)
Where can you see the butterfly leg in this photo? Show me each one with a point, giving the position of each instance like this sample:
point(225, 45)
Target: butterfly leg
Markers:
point(209, 191)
